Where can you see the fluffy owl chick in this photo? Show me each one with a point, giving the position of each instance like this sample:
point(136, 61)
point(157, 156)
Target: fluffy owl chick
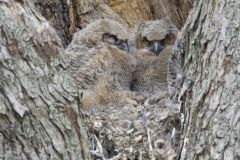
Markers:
point(153, 42)
point(100, 63)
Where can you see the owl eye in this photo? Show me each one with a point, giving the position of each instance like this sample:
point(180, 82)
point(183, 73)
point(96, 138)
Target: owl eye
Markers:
point(145, 40)
point(163, 42)
point(113, 40)
point(109, 38)
point(123, 45)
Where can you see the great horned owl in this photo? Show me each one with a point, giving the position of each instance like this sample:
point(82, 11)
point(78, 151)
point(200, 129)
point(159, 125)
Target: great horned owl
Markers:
point(153, 42)
point(100, 62)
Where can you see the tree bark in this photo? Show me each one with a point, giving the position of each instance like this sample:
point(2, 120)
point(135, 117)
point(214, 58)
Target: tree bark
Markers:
point(176, 10)
point(212, 108)
point(40, 106)
point(59, 14)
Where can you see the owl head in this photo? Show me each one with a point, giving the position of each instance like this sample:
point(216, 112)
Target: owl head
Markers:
point(152, 41)
point(103, 31)
point(154, 36)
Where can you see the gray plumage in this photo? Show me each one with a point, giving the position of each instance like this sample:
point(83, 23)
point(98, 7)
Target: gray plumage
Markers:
point(99, 61)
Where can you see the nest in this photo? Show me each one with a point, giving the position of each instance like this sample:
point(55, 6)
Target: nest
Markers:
point(147, 129)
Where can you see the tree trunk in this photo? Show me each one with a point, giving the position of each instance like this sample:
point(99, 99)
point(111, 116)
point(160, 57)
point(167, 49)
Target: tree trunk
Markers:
point(60, 15)
point(176, 10)
point(40, 106)
point(212, 108)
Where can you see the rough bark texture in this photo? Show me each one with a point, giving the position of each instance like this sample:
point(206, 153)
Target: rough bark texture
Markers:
point(40, 108)
point(212, 109)
point(131, 11)
point(176, 10)
point(58, 14)
point(136, 10)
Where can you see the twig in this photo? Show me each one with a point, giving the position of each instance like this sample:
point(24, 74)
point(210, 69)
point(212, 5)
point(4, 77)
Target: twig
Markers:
point(117, 157)
point(150, 144)
point(99, 150)
point(140, 155)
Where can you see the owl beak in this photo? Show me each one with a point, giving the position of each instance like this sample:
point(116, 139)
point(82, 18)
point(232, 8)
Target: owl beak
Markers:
point(123, 46)
point(156, 47)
